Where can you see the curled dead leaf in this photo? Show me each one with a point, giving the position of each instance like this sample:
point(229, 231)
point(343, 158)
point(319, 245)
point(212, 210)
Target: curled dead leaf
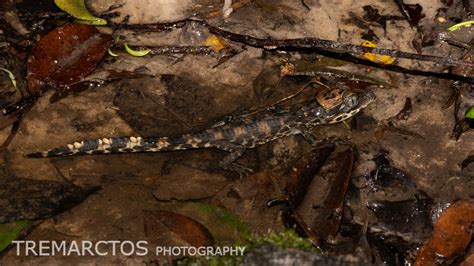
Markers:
point(169, 228)
point(303, 192)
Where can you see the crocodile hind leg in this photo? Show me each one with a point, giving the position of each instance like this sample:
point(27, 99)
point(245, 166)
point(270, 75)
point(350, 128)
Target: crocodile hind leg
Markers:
point(310, 137)
point(235, 152)
point(315, 142)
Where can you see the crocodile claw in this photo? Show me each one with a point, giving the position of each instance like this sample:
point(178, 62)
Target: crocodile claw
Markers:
point(239, 169)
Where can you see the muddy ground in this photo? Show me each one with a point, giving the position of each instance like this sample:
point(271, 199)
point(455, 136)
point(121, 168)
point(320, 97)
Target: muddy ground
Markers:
point(186, 94)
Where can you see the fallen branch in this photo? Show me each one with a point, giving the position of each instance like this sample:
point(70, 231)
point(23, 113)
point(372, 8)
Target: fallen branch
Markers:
point(328, 45)
point(311, 43)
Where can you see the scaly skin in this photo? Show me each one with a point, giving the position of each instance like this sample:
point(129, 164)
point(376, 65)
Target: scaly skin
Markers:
point(331, 107)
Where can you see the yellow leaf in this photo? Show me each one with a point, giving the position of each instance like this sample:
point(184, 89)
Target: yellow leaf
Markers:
point(215, 43)
point(384, 59)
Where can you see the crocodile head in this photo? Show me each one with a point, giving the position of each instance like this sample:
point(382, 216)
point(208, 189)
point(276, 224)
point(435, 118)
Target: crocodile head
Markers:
point(337, 104)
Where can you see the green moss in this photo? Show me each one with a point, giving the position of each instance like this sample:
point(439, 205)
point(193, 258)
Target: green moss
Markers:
point(285, 239)
point(9, 232)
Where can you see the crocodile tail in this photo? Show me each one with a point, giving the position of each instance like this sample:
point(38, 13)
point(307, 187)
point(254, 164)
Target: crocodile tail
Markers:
point(108, 145)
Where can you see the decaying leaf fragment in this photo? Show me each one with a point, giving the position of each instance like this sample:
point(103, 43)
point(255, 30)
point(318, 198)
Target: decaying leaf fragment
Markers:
point(452, 233)
point(65, 56)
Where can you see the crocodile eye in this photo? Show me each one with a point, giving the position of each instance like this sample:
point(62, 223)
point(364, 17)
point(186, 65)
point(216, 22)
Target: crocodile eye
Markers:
point(352, 101)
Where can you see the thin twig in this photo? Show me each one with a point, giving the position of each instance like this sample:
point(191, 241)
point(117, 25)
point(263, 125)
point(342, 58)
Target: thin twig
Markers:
point(305, 5)
point(286, 98)
point(234, 6)
point(11, 136)
point(160, 50)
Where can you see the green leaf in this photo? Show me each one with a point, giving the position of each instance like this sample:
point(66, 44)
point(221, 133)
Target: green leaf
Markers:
point(112, 53)
point(78, 9)
point(470, 113)
point(9, 232)
point(459, 25)
point(11, 76)
point(136, 52)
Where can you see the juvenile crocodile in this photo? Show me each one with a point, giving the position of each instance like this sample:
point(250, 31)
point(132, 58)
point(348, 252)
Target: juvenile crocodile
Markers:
point(331, 106)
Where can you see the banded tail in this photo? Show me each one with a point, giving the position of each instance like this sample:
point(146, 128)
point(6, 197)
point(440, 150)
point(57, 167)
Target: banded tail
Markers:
point(121, 145)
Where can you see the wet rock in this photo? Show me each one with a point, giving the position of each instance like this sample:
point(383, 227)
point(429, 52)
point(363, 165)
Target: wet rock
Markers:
point(272, 255)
